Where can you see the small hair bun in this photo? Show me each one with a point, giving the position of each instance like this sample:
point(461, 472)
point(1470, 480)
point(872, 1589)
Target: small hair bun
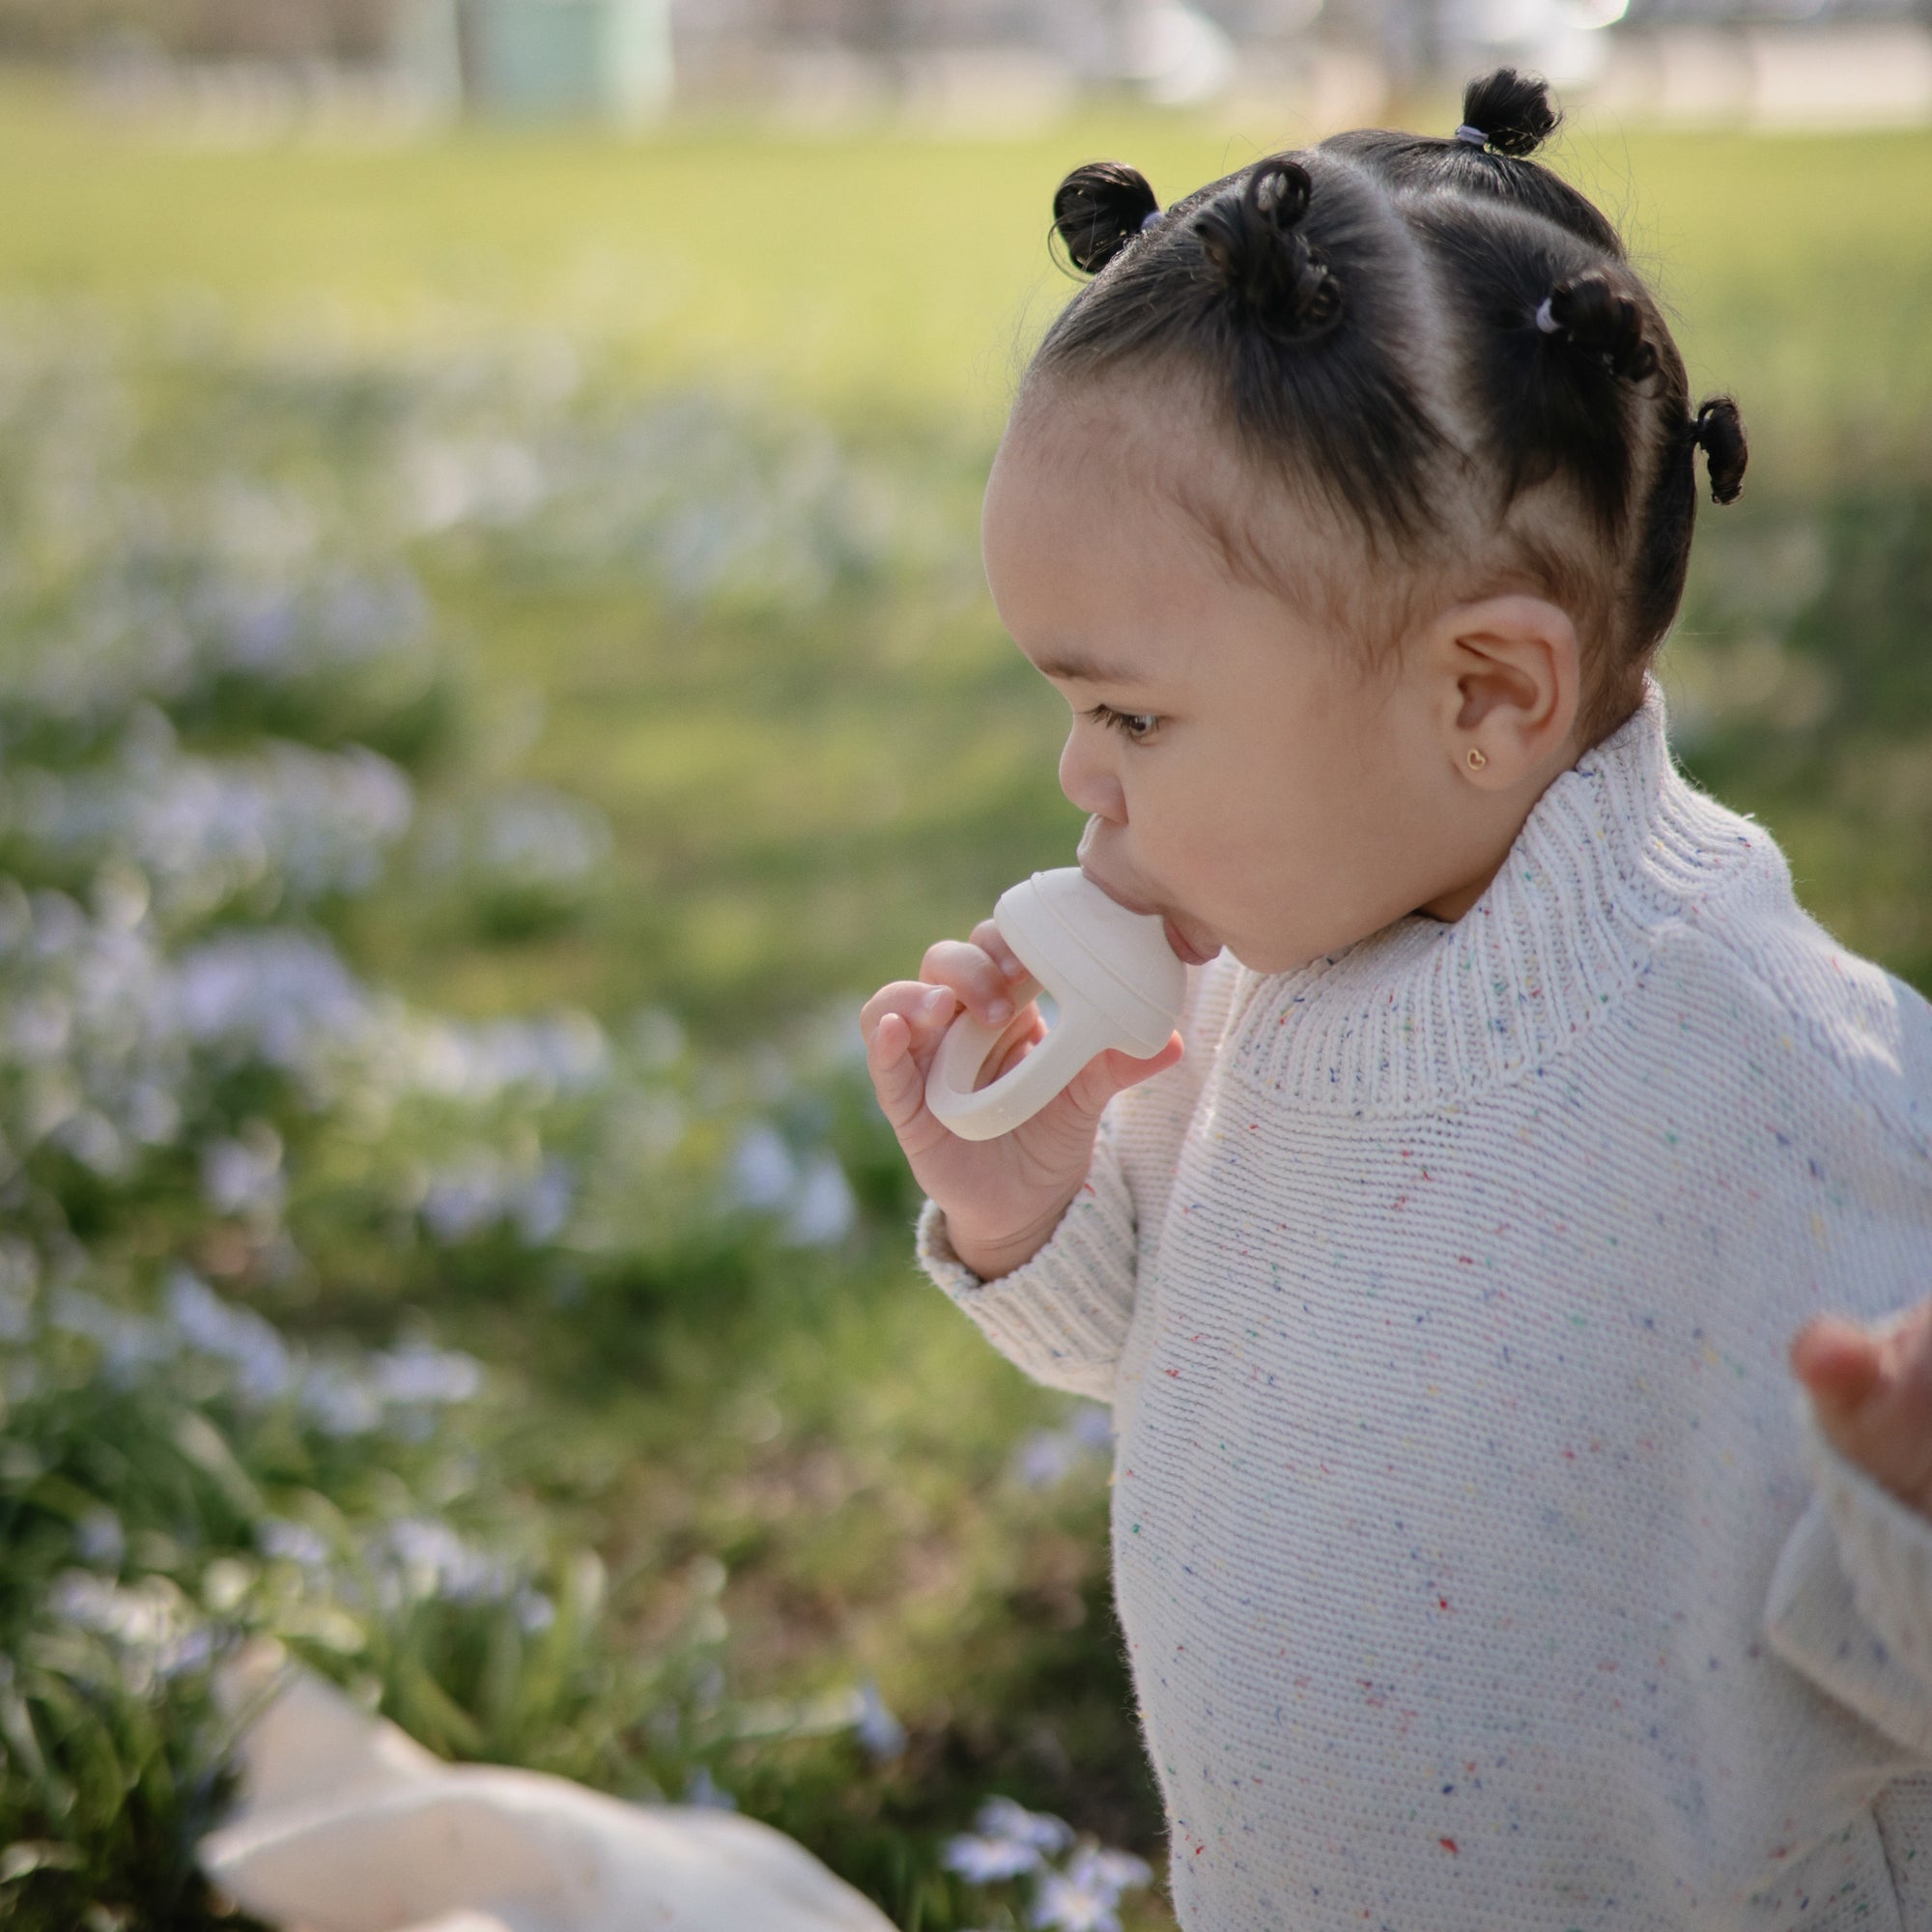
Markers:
point(1098, 208)
point(1252, 238)
point(1512, 109)
point(1592, 312)
point(1718, 431)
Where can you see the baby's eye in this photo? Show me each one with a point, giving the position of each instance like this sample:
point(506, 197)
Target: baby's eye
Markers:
point(1135, 725)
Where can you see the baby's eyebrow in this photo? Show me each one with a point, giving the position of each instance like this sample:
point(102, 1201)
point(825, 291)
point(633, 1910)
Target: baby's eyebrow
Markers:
point(1076, 666)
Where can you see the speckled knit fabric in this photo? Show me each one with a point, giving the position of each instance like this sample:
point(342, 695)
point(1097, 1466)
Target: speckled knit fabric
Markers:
point(1478, 1567)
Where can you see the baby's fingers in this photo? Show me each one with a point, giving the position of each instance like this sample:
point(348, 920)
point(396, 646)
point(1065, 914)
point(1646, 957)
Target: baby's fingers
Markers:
point(903, 1023)
point(991, 941)
point(1871, 1390)
point(984, 989)
point(895, 1077)
point(1115, 1071)
point(926, 1010)
point(1838, 1361)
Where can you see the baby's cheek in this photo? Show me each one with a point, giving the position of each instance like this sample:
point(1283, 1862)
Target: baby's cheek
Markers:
point(1281, 910)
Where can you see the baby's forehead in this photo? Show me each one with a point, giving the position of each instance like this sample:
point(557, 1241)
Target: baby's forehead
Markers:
point(1099, 484)
point(1150, 421)
point(1164, 590)
point(1150, 458)
point(1150, 463)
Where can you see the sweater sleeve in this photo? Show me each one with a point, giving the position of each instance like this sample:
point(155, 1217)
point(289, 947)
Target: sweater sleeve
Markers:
point(1849, 1604)
point(1062, 1316)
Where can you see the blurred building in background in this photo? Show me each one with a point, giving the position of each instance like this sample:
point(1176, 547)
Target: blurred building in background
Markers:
point(610, 57)
point(984, 62)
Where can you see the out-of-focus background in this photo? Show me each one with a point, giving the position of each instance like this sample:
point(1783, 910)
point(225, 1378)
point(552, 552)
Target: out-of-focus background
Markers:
point(494, 667)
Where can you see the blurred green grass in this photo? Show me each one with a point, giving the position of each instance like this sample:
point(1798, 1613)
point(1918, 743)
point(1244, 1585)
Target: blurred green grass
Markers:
point(894, 272)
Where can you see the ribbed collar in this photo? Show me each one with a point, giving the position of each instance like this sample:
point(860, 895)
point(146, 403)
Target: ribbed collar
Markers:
point(1425, 1013)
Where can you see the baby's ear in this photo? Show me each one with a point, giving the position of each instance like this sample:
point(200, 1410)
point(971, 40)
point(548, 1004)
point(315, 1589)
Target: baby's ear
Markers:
point(1509, 671)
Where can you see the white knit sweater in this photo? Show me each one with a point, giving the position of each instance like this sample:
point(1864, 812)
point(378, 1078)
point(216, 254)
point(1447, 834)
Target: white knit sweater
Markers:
point(1478, 1567)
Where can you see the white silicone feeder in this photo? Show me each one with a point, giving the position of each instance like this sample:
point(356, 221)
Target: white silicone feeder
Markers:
point(1111, 973)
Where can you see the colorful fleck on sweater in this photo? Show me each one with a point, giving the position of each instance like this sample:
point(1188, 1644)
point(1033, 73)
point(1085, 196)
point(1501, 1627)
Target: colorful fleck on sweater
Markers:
point(1478, 1566)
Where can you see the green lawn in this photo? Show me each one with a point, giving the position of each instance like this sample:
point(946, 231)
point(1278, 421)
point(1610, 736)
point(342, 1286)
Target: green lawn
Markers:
point(901, 275)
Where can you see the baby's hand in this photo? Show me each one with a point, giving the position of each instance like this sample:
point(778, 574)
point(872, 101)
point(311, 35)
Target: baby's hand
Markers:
point(1003, 1197)
point(1871, 1389)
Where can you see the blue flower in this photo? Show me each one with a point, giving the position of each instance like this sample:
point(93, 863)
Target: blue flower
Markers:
point(988, 1860)
point(1002, 1818)
point(1062, 1904)
point(704, 1791)
point(876, 1728)
point(1100, 1868)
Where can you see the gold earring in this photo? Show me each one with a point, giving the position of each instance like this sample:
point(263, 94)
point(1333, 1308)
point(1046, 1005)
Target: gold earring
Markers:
point(1477, 759)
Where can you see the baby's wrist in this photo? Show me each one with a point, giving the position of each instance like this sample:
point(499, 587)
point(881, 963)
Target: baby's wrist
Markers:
point(990, 1255)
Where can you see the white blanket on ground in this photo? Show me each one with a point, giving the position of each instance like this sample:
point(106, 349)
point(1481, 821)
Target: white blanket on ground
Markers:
point(347, 1824)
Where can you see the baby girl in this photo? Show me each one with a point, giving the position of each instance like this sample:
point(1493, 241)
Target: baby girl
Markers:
point(1479, 1560)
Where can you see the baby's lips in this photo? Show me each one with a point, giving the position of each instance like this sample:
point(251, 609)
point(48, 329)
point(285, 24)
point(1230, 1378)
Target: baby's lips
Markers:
point(1123, 900)
point(1088, 833)
point(1179, 944)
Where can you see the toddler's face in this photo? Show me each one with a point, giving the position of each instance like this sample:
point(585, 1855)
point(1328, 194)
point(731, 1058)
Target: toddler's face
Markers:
point(1241, 775)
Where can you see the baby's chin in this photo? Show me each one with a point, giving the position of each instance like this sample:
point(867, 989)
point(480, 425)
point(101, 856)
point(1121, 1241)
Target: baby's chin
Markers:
point(1270, 953)
point(1188, 948)
point(1249, 942)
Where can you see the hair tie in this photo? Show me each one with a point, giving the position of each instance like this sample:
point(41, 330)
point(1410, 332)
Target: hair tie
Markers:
point(1151, 220)
point(1545, 318)
point(1475, 136)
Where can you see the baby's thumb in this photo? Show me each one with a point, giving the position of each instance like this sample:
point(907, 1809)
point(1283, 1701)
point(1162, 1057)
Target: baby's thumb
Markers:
point(1115, 1071)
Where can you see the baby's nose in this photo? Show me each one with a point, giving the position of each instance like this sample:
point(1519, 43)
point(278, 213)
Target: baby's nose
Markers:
point(1088, 785)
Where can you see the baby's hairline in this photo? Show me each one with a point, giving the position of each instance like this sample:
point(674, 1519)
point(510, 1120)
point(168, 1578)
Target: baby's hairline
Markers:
point(1349, 589)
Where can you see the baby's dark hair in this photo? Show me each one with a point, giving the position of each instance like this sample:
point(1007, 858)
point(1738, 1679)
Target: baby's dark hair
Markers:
point(1436, 340)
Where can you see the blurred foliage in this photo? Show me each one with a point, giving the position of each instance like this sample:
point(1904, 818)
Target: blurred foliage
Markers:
point(258, 803)
point(492, 665)
point(1805, 696)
